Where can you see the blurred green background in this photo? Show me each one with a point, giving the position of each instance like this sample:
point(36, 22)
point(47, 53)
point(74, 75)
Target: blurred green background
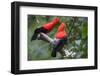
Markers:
point(77, 44)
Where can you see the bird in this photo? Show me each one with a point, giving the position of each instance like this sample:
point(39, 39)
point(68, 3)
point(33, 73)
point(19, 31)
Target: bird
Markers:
point(60, 40)
point(60, 37)
point(46, 28)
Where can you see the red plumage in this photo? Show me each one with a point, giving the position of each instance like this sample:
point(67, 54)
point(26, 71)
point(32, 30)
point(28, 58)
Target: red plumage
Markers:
point(49, 26)
point(61, 33)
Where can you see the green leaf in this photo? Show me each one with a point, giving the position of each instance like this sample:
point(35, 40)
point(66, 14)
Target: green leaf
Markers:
point(84, 30)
